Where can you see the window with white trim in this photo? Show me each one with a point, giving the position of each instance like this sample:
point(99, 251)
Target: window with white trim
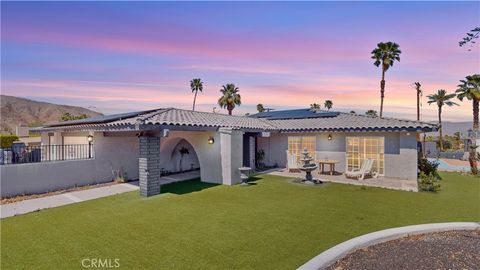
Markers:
point(362, 148)
point(296, 145)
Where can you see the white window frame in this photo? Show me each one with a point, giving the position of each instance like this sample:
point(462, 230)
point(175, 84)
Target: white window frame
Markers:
point(363, 153)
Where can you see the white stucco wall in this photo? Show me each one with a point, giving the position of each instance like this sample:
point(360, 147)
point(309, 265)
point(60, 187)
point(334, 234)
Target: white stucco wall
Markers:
point(110, 153)
point(400, 150)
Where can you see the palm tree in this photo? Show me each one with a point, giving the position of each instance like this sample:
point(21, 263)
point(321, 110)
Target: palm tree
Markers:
point(371, 113)
point(470, 89)
point(385, 54)
point(314, 106)
point(328, 104)
point(260, 107)
point(230, 97)
point(419, 93)
point(441, 98)
point(196, 85)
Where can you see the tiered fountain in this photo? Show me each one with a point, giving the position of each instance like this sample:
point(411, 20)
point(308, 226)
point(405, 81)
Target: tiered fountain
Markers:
point(308, 167)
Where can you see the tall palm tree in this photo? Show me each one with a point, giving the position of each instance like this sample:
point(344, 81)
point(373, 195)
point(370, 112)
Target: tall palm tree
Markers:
point(441, 98)
point(385, 54)
point(328, 104)
point(419, 94)
point(260, 107)
point(196, 85)
point(470, 89)
point(230, 97)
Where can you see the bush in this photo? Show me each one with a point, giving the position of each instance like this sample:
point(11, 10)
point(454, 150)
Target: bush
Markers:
point(427, 167)
point(6, 141)
point(428, 183)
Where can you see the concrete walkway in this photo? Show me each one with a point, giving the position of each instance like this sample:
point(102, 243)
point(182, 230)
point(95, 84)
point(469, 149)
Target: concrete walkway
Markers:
point(382, 182)
point(32, 205)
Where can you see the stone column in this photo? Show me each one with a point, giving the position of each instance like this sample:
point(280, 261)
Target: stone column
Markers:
point(149, 166)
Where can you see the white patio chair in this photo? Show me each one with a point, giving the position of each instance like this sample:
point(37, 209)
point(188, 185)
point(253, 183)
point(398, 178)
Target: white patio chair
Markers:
point(365, 169)
point(292, 162)
point(465, 156)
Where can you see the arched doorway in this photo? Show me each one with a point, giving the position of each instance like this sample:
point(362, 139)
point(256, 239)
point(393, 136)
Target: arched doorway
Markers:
point(177, 156)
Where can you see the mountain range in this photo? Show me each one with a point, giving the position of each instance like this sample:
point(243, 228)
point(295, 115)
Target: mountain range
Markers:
point(15, 111)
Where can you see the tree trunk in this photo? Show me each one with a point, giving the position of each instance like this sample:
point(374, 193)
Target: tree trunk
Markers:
point(418, 104)
point(440, 128)
point(230, 109)
point(475, 114)
point(472, 159)
point(194, 99)
point(382, 91)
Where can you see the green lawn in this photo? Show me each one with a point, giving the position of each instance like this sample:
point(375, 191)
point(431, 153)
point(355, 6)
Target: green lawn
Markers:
point(273, 224)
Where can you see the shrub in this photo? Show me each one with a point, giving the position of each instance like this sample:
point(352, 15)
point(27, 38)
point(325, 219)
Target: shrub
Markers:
point(428, 167)
point(6, 141)
point(428, 183)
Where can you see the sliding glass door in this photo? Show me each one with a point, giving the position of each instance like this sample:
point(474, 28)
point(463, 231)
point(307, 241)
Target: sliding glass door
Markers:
point(362, 148)
point(296, 145)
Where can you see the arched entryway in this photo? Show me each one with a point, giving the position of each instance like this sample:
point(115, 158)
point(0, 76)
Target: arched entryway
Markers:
point(177, 155)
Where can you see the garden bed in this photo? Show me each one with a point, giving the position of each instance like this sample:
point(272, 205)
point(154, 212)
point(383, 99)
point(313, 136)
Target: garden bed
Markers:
point(442, 250)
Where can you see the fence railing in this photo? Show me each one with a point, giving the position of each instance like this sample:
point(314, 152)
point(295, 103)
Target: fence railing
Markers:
point(45, 153)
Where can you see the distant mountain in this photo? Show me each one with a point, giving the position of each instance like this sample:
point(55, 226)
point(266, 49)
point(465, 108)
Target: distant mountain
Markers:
point(449, 128)
point(15, 111)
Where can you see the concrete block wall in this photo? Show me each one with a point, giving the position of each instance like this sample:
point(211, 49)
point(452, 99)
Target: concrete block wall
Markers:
point(149, 166)
point(111, 153)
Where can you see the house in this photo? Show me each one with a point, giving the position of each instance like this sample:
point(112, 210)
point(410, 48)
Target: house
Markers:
point(146, 144)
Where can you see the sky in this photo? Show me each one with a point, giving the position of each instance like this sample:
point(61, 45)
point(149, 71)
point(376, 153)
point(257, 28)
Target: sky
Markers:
point(127, 56)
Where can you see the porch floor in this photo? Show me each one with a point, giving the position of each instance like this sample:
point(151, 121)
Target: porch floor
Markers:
point(382, 182)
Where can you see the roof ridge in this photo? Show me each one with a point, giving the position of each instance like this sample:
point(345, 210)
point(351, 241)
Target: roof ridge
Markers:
point(152, 113)
point(389, 118)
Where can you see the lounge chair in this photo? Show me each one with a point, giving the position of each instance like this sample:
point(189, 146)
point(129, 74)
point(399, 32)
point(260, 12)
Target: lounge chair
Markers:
point(365, 169)
point(292, 162)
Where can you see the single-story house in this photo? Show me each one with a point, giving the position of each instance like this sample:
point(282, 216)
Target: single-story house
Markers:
point(146, 145)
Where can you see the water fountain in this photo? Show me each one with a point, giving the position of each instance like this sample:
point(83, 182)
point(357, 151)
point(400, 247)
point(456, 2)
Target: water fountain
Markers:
point(308, 167)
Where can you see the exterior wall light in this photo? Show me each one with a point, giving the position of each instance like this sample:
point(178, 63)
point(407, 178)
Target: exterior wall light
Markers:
point(408, 133)
point(90, 140)
point(211, 140)
point(329, 137)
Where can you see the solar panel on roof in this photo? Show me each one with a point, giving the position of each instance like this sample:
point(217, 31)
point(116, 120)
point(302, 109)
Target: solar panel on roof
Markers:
point(294, 114)
point(100, 118)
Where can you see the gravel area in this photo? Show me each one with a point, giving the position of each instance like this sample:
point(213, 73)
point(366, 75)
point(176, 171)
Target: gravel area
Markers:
point(444, 250)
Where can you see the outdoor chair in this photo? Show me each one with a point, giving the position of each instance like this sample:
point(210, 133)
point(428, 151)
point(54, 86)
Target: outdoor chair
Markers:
point(292, 162)
point(365, 170)
point(465, 156)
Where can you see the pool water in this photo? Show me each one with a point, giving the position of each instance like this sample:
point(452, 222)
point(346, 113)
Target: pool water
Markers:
point(444, 166)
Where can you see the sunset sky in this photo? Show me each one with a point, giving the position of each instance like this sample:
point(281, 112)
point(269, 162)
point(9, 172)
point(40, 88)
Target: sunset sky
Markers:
point(125, 56)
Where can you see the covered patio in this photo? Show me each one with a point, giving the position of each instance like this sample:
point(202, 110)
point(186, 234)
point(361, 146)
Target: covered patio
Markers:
point(381, 181)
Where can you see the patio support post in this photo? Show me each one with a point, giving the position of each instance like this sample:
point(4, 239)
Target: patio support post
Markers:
point(149, 165)
point(231, 144)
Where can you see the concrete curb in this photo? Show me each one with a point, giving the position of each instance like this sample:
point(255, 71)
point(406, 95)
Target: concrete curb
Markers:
point(335, 253)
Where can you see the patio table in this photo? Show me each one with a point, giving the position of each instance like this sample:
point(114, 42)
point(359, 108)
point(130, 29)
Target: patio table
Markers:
point(322, 163)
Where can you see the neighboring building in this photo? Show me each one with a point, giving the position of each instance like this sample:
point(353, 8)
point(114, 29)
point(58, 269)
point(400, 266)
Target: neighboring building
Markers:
point(146, 143)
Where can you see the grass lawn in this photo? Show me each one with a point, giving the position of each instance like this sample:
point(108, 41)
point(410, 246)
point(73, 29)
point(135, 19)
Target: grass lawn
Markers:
point(273, 224)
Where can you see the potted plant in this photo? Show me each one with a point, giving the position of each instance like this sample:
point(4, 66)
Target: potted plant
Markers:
point(183, 151)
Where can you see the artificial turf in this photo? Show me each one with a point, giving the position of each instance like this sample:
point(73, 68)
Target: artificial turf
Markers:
point(272, 224)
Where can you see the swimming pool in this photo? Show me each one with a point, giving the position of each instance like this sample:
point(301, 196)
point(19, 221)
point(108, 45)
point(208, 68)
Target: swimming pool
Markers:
point(444, 166)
